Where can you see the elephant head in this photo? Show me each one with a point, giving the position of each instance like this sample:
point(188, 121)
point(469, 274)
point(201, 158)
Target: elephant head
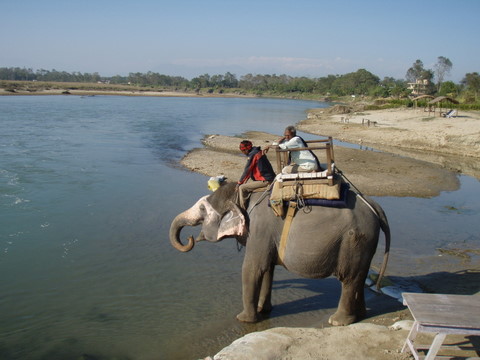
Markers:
point(219, 216)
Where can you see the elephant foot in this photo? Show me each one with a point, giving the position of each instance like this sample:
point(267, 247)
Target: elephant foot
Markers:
point(342, 319)
point(248, 318)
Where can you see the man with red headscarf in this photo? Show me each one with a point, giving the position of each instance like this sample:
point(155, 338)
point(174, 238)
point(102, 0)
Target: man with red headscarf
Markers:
point(258, 169)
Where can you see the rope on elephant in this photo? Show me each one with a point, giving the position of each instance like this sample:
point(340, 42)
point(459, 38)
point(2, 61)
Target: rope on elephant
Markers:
point(358, 192)
point(261, 198)
point(299, 199)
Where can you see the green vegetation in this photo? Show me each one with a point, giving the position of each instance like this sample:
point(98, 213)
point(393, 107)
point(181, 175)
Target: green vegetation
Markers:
point(361, 84)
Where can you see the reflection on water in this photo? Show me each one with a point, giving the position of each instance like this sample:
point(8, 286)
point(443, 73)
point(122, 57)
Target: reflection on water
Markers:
point(87, 194)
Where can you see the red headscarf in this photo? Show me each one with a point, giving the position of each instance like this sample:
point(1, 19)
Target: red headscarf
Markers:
point(246, 145)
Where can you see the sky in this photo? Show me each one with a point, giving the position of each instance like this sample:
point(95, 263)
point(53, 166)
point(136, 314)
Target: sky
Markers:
point(188, 38)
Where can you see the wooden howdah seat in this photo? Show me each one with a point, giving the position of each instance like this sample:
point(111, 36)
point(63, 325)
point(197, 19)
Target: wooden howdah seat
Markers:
point(321, 177)
point(297, 187)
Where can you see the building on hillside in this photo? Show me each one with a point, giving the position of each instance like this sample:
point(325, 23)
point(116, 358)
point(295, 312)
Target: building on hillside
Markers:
point(419, 87)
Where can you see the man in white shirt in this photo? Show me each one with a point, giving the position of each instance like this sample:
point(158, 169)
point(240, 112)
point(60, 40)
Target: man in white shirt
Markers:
point(302, 160)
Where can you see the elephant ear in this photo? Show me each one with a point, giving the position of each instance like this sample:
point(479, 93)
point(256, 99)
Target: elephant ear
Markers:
point(233, 224)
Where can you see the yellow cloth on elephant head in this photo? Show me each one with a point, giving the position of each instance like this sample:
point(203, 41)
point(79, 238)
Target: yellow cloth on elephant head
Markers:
point(215, 182)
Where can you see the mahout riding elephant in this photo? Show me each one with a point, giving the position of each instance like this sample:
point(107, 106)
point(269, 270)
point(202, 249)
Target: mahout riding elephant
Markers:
point(322, 242)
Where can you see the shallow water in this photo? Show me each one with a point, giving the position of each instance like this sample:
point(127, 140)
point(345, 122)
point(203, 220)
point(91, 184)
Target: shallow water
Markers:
point(88, 187)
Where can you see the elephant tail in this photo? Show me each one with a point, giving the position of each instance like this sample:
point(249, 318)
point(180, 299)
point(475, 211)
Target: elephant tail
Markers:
point(386, 231)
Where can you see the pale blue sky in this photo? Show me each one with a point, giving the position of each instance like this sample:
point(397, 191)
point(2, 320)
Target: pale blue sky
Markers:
point(188, 38)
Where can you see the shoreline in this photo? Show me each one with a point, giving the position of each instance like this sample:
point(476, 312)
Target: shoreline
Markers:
point(77, 92)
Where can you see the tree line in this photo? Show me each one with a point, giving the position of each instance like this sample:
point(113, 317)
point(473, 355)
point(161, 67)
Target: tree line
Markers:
point(360, 82)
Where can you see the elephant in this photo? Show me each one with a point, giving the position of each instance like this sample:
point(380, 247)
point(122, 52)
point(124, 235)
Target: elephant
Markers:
point(323, 241)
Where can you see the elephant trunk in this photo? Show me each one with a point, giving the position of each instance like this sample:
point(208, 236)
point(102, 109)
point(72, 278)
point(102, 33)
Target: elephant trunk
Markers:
point(177, 225)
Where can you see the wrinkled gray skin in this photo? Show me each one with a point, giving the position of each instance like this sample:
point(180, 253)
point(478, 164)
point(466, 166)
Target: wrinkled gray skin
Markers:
point(326, 241)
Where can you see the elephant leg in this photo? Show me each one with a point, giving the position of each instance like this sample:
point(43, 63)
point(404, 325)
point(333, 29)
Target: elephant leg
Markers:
point(265, 299)
point(251, 283)
point(351, 307)
point(254, 275)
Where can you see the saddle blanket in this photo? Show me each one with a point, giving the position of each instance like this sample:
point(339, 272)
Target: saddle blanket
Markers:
point(341, 202)
point(312, 195)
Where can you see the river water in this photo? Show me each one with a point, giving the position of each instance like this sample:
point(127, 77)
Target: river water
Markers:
point(88, 188)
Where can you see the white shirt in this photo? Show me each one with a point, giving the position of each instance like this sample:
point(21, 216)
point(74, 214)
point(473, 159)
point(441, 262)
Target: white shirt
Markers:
point(303, 158)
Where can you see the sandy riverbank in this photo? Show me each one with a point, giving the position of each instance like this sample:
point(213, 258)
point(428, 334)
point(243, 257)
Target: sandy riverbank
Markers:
point(422, 155)
point(401, 129)
point(100, 92)
point(452, 143)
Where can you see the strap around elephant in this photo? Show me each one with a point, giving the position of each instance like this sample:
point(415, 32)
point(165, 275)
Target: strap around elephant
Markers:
point(292, 207)
point(358, 192)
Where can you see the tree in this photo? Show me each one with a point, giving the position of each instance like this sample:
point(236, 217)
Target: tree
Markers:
point(324, 85)
point(415, 72)
point(418, 72)
point(230, 80)
point(442, 68)
point(472, 83)
point(364, 81)
point(118, 79)
point(392, 87)
point(137, 79)
point(202, 81)
point(358, 83)
point(216, 81)
point(448, 88)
